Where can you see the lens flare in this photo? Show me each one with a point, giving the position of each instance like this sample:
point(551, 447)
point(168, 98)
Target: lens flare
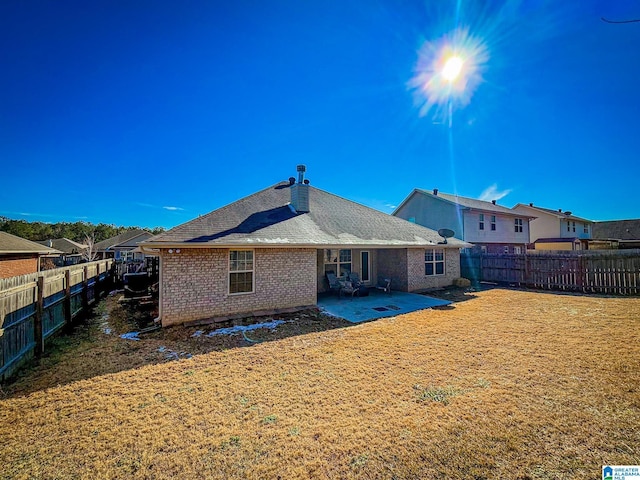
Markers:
point(447, 72)
point(452, 68)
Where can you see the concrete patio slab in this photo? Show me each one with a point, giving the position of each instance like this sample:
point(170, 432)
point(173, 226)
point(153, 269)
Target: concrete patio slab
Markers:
point(376, 305)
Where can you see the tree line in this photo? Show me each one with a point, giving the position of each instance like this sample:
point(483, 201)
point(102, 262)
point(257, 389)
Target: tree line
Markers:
point(76, 231)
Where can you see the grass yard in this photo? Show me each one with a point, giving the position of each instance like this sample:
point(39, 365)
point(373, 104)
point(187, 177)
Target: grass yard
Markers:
point(506, 384)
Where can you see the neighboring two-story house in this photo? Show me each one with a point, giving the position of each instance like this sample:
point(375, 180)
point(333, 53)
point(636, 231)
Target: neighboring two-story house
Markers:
point(492, 228)
point(555, 229)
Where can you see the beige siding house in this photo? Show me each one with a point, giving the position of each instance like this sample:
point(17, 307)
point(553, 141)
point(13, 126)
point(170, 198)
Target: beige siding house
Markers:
point(556, 229)
point(270, 252)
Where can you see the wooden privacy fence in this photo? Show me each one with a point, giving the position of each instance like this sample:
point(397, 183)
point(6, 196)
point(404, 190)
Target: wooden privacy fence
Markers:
point(608, 272)
point(35, 306)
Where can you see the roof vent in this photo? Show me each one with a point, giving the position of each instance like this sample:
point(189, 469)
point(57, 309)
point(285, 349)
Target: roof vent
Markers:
point(300, 191)
point(493, 201)
point(559, 210)
point(531, 204)
point(292, 180)
point(435, 191)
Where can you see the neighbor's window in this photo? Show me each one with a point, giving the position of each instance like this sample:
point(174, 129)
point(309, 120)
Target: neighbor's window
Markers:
point(518, 225)
point(493, 222)
point(481, 221)
point(241, 271)
point(574, 226)
point(506, 249)
point(586, 228)
point(517, 250)
point(434, 261)
point(337, 261)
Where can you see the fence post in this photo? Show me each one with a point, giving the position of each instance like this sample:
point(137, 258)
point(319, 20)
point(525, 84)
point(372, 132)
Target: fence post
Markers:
point(85, 290)
point(37, 324)
point(96, 287)
point(67, 296)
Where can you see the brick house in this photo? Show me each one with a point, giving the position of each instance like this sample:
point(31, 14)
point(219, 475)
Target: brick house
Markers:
point(19, 256)
point(270, 252)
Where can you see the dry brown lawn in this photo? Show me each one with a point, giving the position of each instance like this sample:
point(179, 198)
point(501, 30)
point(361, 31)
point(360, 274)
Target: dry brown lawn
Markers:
point(507, 384)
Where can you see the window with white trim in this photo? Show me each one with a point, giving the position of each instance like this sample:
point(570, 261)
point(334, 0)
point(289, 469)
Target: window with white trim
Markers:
point(481, 224)
point(586, 228)
point(573, 224)
point(434, 261)
point(337, 261)
point(518, 225)
point(517, 250)
point(241, 269)
point(493, 222)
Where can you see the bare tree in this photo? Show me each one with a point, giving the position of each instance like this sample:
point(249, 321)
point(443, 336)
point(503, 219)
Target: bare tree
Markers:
point(89, 254)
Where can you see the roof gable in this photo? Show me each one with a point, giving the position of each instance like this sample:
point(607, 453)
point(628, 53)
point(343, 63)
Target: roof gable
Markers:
point(266, 218)
point(64, 245)
point(123, 239)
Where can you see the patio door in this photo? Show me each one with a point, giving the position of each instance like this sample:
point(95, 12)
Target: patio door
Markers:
point(365, 265)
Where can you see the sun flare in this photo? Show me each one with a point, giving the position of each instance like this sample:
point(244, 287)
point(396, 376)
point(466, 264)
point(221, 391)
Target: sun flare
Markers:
point(452, 68)
point(447, 72)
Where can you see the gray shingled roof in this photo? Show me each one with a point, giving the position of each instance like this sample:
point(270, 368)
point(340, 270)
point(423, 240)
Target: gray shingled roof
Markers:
point(616, 229)
point(13, 244)
point(472, 203)
point(266, 219)
point(126, 239)
point(557, 213)
point(64, 245)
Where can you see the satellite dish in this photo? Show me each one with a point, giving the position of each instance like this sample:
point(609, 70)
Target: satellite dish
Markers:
point(446, 233)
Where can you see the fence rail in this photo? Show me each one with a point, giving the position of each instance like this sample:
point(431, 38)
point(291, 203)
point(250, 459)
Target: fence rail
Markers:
point(589, 271)
point(35, 306)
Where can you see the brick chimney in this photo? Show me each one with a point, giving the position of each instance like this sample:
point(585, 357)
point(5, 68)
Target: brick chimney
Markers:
point(300, 192)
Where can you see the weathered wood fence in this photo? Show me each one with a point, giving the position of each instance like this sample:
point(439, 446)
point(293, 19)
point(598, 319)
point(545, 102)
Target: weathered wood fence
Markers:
point(35, 306)
point(608, 272)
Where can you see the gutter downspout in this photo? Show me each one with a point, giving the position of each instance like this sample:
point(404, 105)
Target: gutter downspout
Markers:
point(154, 252)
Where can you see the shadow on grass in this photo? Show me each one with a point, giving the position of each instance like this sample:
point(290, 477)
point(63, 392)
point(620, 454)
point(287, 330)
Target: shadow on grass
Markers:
point(456, 294)
point(94, 347)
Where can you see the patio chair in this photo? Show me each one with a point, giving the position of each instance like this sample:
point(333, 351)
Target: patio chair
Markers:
point(363, 291)
point(349, 288)
point(334, 284)
point(384, 284)
point(355, 279)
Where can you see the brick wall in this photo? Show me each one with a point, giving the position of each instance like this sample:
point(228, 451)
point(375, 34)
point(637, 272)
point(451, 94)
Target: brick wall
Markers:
point(195, 283)
point(392, 263)
point(419, 281)
point(14, 265)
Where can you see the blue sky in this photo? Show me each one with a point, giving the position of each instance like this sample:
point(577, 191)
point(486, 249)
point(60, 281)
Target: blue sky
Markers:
point(151, 113)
